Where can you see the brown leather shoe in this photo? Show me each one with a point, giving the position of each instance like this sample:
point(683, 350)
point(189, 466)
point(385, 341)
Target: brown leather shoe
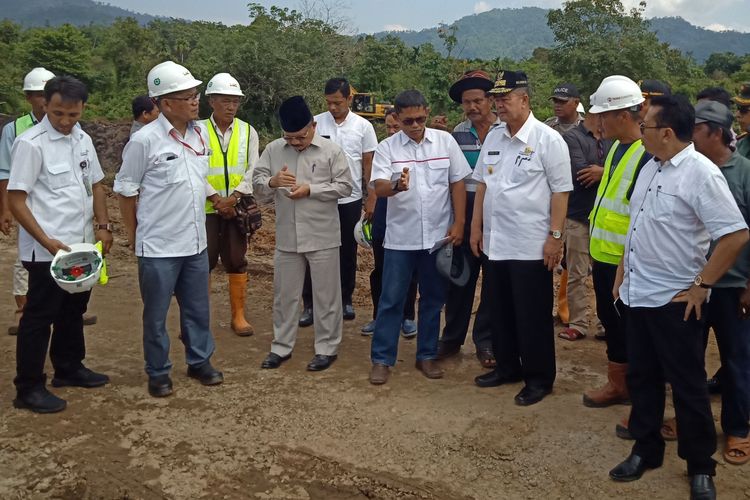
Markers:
point(379, 374)
point(430, 368)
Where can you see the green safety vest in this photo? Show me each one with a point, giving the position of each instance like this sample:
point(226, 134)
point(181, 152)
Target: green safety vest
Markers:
point(610, 216)
point(226, 169)
point(23, 123)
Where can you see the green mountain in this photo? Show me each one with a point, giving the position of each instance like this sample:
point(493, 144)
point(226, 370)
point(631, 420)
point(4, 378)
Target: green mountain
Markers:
point(515, 33)
point(30, 13)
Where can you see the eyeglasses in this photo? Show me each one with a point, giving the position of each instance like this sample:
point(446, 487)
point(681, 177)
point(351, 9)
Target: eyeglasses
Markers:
point(643, 127)
point(743, 109)
point(291, 138)
point(411, 121)
point(194, 97)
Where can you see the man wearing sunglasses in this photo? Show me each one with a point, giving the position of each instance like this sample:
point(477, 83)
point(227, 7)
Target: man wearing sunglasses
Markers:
point(165, 165)
point(421, 170)
point(743, 119)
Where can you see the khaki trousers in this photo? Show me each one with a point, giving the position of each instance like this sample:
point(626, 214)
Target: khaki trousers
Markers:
point(578, 261)
point(288, 278)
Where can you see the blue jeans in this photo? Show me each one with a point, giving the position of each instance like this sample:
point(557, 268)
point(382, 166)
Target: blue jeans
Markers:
point(733, 338)
point(398, 269)
point(187, 279)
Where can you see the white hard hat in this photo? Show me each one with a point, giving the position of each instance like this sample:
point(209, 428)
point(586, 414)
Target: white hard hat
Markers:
point(35, 79)
point(616, 92)
point(224, 84)
point(78, 270)
point(169, 77)
point(363, 233)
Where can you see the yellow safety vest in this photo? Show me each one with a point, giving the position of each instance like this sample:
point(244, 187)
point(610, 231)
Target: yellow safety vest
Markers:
point(226, 169)
point(23, 123)
point(610, 216)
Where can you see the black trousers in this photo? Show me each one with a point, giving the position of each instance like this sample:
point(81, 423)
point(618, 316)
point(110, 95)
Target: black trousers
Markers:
point(663, 348)
point(523, 337)
point(376, 283)
point(226, 241)
point(48, 305)
point(460, 300)
point(603, 276)
point(349, 215)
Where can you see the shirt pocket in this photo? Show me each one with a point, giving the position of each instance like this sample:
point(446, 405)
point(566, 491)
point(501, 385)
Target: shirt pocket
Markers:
point(60, 175)
point(171, 171)
point(437, 171)
point(525, 169)
point(663, 206)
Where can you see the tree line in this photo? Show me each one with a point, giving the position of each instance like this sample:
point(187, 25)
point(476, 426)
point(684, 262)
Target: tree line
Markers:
point(282, 52)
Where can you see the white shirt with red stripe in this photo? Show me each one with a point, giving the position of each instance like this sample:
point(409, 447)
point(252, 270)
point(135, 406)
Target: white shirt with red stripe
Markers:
point(420, 216)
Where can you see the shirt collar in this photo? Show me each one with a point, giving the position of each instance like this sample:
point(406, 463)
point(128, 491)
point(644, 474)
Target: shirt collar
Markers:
point(681, 156)
point(333, 119)
point(429, 136)
point(54, 134)
point(216, 127)
point(167, 126)
point(525, 130)
point(732, 161)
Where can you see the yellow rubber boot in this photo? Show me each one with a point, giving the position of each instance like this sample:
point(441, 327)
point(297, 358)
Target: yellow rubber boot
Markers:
point(237, 289)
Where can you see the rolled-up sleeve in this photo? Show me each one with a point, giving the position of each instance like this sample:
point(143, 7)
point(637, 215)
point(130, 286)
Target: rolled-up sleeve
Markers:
point(128, 179)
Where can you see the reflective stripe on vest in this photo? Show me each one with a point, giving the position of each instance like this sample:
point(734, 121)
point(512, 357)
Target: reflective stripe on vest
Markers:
point(226, 169)
point(23, 123)
point(610, 217)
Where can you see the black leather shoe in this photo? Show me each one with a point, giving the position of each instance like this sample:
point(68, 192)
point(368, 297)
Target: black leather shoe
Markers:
point(495, 378)
point(446, 350)
point(206, 374)
point(320, 362)
point(349, 312)
point(631, 469)
point(273, 360)
point(82, 377)
point(160, 386)
point(530, 395)
point(40, 401)
point(702, 487)
point(306, 318)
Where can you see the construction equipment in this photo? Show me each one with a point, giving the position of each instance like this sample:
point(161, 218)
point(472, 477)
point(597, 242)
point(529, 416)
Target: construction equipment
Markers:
point(363, 103)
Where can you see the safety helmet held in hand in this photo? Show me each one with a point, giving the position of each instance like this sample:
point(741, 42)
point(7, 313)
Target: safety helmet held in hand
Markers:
point(36, 79)
point(452, 263)
point(616, 92)
point(78, 270)
point(363, 233)
point(169, 77)
point(224, 84)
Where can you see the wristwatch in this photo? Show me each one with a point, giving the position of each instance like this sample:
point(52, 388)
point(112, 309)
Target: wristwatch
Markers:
point(107, 227)
point(698, 281)
point(556, 234)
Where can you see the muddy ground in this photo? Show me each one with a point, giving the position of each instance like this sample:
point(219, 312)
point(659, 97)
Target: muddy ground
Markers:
point(292, 434)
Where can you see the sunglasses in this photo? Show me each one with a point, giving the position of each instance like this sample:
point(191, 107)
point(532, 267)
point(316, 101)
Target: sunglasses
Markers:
point(411, 121)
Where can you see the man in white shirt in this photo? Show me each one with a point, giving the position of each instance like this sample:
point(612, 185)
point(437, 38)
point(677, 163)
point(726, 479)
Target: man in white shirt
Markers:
point(519, 213)
point(422, 171)
point(54, 192)
point(165, 164)
point(356, 136)
point(680, 203)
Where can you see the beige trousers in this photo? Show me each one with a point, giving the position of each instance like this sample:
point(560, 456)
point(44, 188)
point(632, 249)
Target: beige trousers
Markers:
point(288, 278)
point(20, 278)
point(578, 262)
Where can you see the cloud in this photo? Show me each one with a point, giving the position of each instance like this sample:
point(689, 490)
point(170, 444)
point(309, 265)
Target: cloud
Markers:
point(480, 7)
point(394, 27)
point(717, 27)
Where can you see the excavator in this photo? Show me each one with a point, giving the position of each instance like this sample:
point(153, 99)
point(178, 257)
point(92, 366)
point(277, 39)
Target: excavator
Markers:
point(364, 105)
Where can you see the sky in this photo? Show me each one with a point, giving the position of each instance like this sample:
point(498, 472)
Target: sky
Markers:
point(369, 16)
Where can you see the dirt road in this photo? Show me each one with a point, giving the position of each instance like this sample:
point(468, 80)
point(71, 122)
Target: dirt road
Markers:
point(291, 434)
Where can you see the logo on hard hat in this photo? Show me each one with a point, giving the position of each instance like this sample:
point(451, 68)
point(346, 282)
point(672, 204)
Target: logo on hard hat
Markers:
point(157, 81)
point(210, 84)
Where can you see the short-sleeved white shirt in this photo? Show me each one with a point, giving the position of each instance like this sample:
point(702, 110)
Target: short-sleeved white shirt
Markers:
point(170, 180)
point(52, 169)
point(420, 216)
point(356, 136)
point(521, 173)
point(676, 209)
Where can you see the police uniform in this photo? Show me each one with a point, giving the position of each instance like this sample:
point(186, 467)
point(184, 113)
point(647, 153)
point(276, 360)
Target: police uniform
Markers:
point(57, 172)
point(168, 173)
